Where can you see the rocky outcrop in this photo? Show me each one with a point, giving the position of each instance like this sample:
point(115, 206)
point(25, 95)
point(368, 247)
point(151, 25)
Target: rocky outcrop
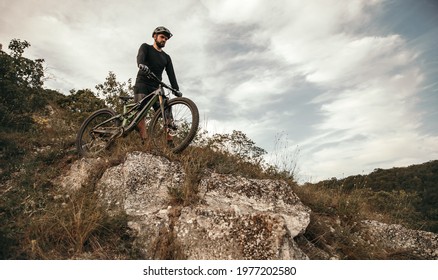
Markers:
point(233, 218)
point(241, 218)
point(417, 243)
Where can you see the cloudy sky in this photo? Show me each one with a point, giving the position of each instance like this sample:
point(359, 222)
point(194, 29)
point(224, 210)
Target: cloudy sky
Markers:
point(338, 87)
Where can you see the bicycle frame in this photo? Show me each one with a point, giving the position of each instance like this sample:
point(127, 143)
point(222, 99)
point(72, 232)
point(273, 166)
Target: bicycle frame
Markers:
point(131, 110)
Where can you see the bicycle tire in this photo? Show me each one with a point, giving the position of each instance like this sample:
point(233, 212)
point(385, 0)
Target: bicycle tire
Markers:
point(185, 121)
point(89, 143)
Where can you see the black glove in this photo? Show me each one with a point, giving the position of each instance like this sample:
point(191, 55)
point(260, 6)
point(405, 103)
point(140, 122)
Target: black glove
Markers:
point(177, 93)
point(144, 68)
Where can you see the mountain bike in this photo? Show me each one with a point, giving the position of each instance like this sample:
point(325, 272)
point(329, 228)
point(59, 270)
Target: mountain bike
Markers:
point(172, 126)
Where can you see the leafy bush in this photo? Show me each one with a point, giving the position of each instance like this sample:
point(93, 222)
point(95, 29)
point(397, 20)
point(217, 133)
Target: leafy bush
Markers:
point(21, 80)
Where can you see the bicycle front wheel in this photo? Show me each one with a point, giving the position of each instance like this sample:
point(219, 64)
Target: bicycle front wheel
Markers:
point(179, 127)
point(96, 133)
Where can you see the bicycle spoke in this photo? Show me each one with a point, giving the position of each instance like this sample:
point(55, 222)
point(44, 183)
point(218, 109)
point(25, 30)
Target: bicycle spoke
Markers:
point(179, 128)
point(96, 136)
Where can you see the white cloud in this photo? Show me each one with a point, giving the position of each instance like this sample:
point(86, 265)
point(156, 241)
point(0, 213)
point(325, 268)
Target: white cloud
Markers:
point(357, 156)
point(233, 11)
point(375, 124)
point(352, 60)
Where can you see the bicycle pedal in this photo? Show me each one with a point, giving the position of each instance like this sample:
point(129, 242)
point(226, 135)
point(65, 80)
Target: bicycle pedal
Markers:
point(170, 144)
point(172, 126)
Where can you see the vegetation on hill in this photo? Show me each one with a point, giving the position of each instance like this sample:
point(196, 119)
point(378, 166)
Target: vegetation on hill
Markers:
point(39, 221)
point(409, 193)
point(37, 133)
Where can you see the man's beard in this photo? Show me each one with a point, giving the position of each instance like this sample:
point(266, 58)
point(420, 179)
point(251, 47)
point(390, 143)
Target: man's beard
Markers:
point(160, 44)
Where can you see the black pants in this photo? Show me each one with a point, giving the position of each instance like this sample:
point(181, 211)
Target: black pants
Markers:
point(142, 90)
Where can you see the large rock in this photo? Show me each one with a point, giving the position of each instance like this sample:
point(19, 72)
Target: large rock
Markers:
point(241, 218)
point(236, 218)
point(416, 243)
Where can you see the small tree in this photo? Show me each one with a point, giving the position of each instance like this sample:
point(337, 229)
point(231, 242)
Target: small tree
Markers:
point(80, 104)
point(24, 71)
point(237, 143)
point(111, 89)
point(21, 81)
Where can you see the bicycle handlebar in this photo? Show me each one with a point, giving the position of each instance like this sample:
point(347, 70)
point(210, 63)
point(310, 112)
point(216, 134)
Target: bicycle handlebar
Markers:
point(150, 74)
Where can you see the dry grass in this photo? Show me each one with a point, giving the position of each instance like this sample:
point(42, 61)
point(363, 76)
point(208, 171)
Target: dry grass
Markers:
point(166, 246)
point(78, 229)
point(37, 226)
point(63, 230)
point(76, 226)
point(337, 214)
point(197, 162)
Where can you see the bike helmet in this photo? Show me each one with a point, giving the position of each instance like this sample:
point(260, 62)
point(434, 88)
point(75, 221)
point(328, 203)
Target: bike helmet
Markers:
point(162, 30)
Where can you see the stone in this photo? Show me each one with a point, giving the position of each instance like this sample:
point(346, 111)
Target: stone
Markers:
point(236, 218)
point(78, 175)
point(418, 243)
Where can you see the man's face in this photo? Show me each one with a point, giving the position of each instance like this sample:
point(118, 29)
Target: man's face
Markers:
point(160, 40)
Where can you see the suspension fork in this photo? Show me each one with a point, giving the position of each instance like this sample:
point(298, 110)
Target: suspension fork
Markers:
point(164, 115)
point(161, 99)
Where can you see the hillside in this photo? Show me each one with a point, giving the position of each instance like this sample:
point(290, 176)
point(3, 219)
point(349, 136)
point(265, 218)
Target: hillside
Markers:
point(415, 187)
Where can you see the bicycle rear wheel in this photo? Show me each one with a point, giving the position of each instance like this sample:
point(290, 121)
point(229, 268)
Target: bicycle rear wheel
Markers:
point(96, 135)
point(180, 125)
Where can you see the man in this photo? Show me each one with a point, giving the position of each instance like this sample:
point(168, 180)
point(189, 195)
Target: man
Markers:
point(154, 59)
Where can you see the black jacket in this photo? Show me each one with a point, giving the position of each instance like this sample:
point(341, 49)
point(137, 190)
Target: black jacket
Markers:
point(157, 62)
